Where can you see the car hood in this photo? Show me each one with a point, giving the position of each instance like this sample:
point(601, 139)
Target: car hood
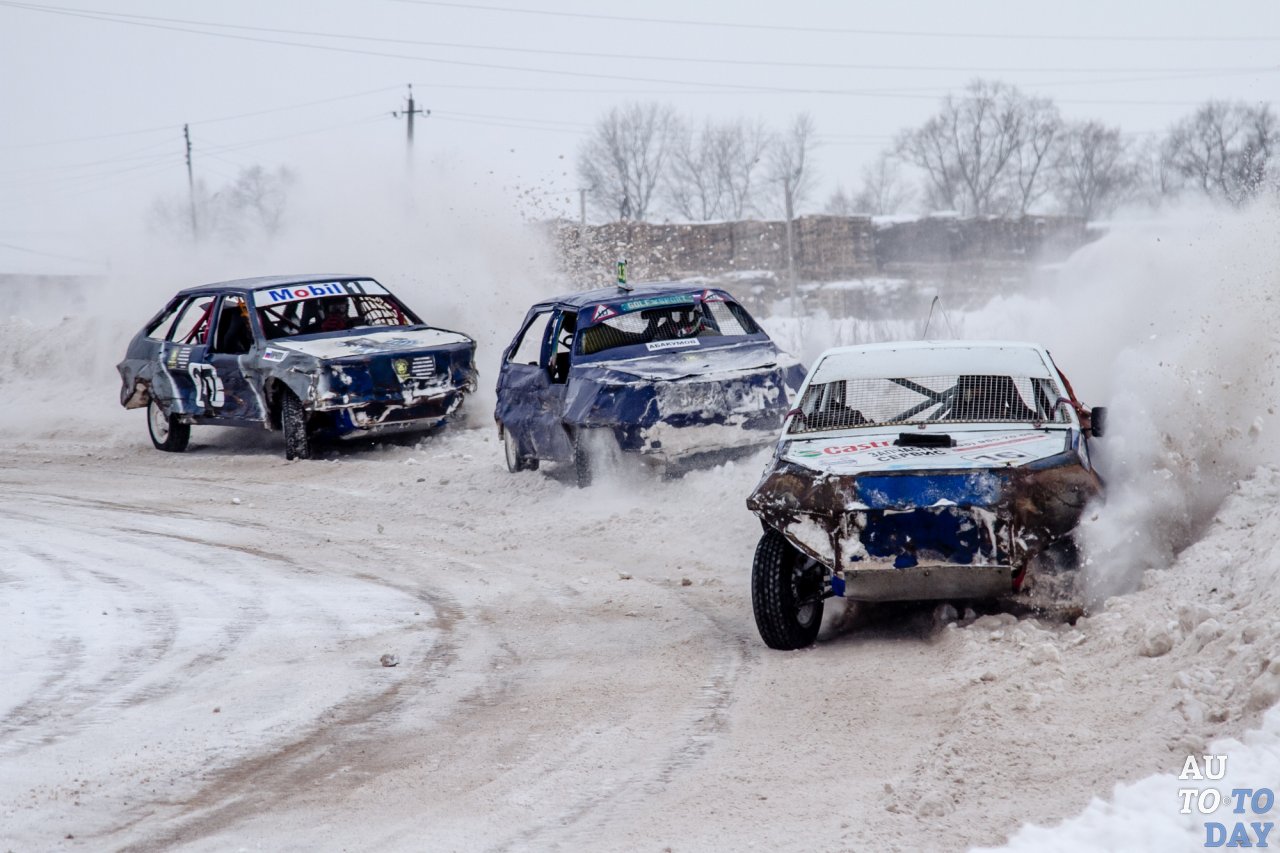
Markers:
point(372, 343)
point(709, 363)
point(868, 451)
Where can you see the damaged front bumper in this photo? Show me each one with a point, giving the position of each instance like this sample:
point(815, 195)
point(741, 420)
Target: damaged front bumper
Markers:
point(364, 397)
point(920, 535)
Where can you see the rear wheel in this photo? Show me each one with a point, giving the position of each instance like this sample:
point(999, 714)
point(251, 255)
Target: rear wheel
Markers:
point(167, 433)
point(583, 463)
point(515, 460)
point(293, 423)
point(787, 590)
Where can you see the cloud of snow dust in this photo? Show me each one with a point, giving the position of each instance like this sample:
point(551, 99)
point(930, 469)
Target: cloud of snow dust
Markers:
point(459, 253)
point(1174, 325)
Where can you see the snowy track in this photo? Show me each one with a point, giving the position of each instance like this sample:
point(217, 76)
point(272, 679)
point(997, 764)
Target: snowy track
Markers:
point(197, 662)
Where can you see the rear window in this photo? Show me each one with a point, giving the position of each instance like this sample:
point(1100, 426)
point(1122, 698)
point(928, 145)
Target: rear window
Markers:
point(849, 403)
point(693, 319)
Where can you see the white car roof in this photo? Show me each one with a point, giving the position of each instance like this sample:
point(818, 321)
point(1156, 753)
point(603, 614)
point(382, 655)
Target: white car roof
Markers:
point(933, 358)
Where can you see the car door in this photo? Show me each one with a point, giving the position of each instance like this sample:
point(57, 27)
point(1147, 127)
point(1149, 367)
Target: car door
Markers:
point(190, 385)
point(235, 357)
point(530, 393)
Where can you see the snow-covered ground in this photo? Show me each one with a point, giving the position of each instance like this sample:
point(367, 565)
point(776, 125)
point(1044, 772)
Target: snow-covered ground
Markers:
point(194, 642)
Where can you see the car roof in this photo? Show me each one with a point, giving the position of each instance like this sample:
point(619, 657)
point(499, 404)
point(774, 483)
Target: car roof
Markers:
point(612, 295)
point(268, 281)
point(932, 358)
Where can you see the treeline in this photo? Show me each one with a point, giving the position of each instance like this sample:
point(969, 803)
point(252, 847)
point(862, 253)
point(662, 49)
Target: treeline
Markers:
point(988, 150)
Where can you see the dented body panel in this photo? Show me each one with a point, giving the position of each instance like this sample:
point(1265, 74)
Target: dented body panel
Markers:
point(231, 368)
point(927, 507)
point(599, 362)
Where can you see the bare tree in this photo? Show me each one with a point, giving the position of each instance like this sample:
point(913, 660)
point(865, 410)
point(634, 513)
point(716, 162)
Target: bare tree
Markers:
point(252, 207)
point(712, 171)
point(968, 151)
point(740, 148)
point(1041, 125)
point(840, 203)
point(1093, 170)
point(623, 160)
point(789, 165)
point(1223, 149)
point(789, 168)
point(259, 197)
point(883, 189)
point(693, 186)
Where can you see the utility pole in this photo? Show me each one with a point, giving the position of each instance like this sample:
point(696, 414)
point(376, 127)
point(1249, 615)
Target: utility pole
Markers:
point(191, 182)
point(410, 113)
point(582, 206)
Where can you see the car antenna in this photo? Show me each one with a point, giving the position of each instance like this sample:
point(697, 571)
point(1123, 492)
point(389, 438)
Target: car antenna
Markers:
point(936, 303)
point(622, 275)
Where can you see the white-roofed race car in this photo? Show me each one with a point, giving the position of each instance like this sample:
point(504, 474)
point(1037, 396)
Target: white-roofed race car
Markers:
point(918, 471)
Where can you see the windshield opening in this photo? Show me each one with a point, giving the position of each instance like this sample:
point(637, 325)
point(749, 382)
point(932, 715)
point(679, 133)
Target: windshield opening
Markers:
point(683, 321)
point(848, 403)
point(329, 307)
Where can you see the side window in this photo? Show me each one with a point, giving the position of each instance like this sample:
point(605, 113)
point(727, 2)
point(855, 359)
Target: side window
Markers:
point(159, 329)
point(560, 348)
point(192, 325)
point(732, 319)
point(529, 350)
point(232, 333)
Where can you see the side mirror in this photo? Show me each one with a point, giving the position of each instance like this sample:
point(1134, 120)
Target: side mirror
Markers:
point(1097, 421)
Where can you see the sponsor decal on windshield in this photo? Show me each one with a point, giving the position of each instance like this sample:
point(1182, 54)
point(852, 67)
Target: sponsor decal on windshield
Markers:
point(711, 296)
point(603, 312)
point(294, 293)
point(656, 302)
point(676, 344)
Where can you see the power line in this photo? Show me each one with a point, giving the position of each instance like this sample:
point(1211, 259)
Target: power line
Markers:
point(154, 22)
point(168, 128)
point(473, 7)
point(46, 254)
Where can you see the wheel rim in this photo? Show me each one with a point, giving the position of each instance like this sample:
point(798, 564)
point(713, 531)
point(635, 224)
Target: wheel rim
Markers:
point(159, 423)
point(805, 614)
point(509, 446)
point(806, 586)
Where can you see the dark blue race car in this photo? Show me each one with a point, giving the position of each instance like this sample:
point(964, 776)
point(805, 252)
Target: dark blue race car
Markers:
point(675, 373)
point(314, 356)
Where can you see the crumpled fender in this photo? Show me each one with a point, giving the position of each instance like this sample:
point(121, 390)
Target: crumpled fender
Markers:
point(607, 398)
point(1042, 503)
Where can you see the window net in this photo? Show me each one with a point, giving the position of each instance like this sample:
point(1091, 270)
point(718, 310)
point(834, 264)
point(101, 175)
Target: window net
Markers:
point(848, 403)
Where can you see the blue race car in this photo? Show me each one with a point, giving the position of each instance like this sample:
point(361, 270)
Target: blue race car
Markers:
point(677, 374)
point(917, 471)
point(329, 356)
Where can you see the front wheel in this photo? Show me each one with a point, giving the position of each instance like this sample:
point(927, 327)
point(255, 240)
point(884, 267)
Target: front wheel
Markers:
point(167, 433)
point(293, 423)
point(787, 590)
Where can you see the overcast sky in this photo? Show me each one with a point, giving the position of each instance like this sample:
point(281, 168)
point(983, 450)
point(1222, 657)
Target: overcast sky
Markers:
point(96, 91)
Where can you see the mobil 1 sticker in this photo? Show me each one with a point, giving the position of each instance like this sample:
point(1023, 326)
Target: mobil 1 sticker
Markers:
point(317, 290)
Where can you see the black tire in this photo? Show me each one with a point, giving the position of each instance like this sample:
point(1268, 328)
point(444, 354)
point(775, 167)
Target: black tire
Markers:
point(293, 423)
point(786, 593)
point(167, 433)
point(583, 464)
point(516, 461)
